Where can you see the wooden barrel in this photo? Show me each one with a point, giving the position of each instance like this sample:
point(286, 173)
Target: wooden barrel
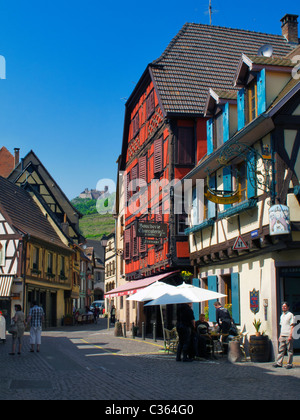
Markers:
point(259, 348)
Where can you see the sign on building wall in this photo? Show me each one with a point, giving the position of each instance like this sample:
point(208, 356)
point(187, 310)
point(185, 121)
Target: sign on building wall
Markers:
point(152, 230)
point(254, 301)
point(279, 220)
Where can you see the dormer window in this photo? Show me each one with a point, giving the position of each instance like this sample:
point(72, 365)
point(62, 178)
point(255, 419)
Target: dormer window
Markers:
point(221, 107)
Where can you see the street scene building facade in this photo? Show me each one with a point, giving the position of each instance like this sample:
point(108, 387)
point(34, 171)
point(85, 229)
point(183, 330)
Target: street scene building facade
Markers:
point(42, 251)
point(219, 106)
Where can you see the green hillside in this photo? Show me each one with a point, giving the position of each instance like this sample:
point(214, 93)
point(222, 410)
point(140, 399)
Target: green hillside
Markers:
point(94, 225)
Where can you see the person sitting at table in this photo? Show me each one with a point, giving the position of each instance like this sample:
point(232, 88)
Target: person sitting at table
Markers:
point(202, 330)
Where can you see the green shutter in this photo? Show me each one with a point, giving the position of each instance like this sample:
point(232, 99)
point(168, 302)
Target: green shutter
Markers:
point(235, 294)
point(226, 122)
point(251, 176)
point(261, 92)
point(241, 108)
point(227, 182)
point(212, 285)
point(210, 137)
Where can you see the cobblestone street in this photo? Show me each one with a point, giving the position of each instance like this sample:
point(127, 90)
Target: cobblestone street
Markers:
point(90, 363)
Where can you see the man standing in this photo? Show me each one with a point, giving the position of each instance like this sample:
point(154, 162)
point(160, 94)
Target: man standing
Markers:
point(287, 323)
point(185, 324)
point(223, 318)
point(36, 318)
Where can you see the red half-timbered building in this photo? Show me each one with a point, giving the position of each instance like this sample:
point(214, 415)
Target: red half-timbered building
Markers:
point(165, 136)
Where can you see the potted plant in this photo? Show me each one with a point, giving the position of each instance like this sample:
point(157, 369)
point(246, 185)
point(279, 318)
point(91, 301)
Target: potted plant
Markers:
point(259, 345)
point(257, 325)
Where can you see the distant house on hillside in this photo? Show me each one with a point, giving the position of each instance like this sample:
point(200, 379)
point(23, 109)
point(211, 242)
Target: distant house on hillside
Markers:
point(93, 194)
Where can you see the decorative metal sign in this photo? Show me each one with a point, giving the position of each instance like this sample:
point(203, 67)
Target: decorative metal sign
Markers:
point(222, 197)
point(279, 220)
point(254, 301)
point(152, 230)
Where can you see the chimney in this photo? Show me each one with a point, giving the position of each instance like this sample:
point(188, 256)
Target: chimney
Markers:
point(17, 156)
point(290, 28)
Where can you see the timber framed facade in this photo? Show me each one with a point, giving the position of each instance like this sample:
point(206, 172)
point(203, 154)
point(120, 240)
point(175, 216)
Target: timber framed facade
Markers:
point(261, 162)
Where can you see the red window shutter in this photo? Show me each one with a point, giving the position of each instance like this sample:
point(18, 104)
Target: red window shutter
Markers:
point(127, 192)
point(158, 157)
point(134, 240)
point(150, 104)
point(135, 124)
point(127, 237)
point(143, 168)
point(134, 176)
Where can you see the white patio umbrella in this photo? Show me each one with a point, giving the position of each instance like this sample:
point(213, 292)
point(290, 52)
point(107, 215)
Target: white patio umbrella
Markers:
point(185, 293)
point(151, 292)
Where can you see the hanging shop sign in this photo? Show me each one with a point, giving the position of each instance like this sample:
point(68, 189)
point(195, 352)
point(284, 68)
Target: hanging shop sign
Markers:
point(254, 301)
point(152, 230)
point(279, 220)
point(218, 197)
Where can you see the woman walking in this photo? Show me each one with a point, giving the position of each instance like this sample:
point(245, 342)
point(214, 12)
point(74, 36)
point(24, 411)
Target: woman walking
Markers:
point(19, 320)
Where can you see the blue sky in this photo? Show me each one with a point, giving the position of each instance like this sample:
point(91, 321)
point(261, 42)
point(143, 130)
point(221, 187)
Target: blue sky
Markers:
point(70, 65)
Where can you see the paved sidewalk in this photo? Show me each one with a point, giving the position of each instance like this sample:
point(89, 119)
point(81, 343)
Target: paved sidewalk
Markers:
point(88, 362)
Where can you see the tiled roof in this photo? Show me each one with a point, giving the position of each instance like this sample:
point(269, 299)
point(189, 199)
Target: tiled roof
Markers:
point(271, 61)
point(25, 215)
point(288, 87)
point(202, 57)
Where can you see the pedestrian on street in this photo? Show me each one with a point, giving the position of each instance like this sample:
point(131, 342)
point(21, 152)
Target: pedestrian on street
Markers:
point(19, 320)
point(113, 314)
point(36, 318)
point(287, 323)
point(185, 325)
point(223, 318)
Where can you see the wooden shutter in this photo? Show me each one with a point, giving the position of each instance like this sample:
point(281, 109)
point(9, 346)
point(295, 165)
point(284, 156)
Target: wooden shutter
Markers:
point(261, 92)
point(210, 137)
point(127, 192)
point(235, 296)
point(241, 108)
point(143, 168)
point(150, 104)
point(134, 176)
point(158, 156)
point(226, 123)
point(213, 286)
point(251, 176)
point(127, 236)
point(227, 182)
point(134, 240)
